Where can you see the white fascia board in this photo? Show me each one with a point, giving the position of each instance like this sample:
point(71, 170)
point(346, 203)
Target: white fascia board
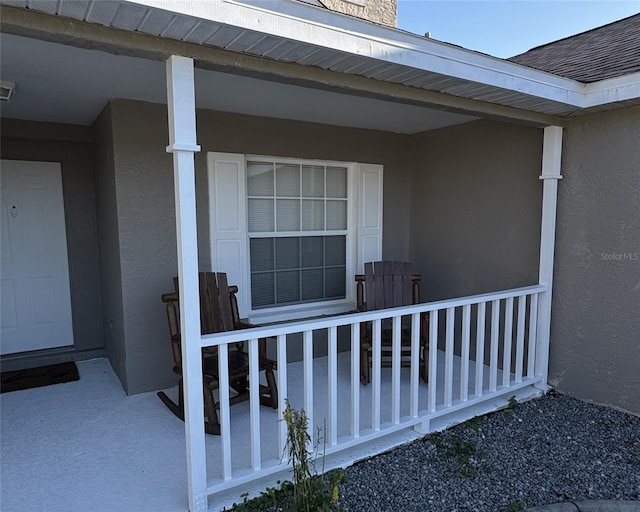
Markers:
point(308, 24)
point(612, 90)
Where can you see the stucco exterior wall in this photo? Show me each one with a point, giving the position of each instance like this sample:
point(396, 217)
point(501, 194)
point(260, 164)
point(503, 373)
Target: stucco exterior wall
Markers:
point(143, 176)
point(71, 147)
point(476, 206)
point(107, 216)
point(384, 12)
point(595, 325)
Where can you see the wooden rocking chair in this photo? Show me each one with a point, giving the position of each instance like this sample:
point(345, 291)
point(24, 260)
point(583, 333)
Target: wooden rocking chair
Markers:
point(389, 284)
point(218, 313)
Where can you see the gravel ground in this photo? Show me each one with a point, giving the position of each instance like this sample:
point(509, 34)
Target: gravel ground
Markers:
point(547, 450)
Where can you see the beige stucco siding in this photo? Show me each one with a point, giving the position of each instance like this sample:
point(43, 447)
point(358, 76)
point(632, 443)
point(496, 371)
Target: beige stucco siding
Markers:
point(476, 207)
point(109, 242)
point(595, 325)
point(463, 203)
point(146, 215)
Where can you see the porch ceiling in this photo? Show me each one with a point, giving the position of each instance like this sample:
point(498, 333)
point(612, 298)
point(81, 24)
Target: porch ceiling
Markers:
point(296, 32)
point(65, 84)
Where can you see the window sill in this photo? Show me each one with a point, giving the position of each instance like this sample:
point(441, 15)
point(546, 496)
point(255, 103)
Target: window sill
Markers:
point(269, 316)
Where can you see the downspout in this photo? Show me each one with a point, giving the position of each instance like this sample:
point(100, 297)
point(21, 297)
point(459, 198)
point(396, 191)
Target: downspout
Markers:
point(551, 161)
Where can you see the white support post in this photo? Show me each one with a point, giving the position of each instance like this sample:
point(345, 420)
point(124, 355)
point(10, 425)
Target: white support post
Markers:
point(182, 143)
point(551, 159)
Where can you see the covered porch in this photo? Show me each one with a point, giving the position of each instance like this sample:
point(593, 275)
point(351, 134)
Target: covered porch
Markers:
point(513, 344)
point(464, 238)
point(86, 442)
point(484, 352)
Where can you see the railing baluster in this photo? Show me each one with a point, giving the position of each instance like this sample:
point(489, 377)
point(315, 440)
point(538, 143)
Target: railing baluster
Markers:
point(448, 357)
point(395, 370)
point(376, 371)
point(254, 404)
point(333, 385)
point(533, 335)
point(480, 330)
point(464, 356)
point(307, 375)
point(437, 387)
point(414, 381)
point(508, 337)
point(522, 304)
point(493, 356)
point(433, 360)
point(282, 389)
point(355, 380)
point(225, 416)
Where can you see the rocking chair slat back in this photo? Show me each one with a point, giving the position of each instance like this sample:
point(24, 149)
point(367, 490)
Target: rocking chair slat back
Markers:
point(215, 306)
point(218, 303)
point(387, 284)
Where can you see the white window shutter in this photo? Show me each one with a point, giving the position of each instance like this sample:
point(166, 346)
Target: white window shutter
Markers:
point(369, 214)
point(228, 222)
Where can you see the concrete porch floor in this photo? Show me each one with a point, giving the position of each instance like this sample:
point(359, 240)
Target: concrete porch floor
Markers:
point(85, 445)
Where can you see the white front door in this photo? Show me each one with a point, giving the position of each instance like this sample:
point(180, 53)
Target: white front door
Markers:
point(35, 303)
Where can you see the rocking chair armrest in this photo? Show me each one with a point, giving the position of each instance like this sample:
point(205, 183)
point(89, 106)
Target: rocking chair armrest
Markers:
point(244, 325)
point(170, 297)
point(416, 279)
point(262, 342)
point(360, 278)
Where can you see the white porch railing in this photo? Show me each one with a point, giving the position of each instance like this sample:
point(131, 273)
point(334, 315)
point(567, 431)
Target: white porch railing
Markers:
point(480, 348)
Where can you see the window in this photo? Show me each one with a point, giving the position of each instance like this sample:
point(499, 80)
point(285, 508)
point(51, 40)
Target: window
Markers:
point(297, 224)
point(292, 233)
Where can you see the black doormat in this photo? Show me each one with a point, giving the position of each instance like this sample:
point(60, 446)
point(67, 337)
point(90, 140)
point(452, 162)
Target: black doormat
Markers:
point(38, 377)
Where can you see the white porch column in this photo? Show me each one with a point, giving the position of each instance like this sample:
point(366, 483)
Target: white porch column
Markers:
point(551, 157)
point(182, 143)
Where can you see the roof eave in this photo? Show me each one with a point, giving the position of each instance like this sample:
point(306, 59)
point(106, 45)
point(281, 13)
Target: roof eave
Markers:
point(334, 42)
point(612, 90)
point(305, 23)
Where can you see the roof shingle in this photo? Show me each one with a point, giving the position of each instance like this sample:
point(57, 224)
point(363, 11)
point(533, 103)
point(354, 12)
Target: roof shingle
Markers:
point(609, 51)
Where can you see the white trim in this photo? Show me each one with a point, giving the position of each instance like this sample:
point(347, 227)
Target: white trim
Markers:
point(370, 206)
point(302, 311)
point(612, 90)
point(301, 22)
point(228, 241)
point(194, 148)
point(291, 20)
